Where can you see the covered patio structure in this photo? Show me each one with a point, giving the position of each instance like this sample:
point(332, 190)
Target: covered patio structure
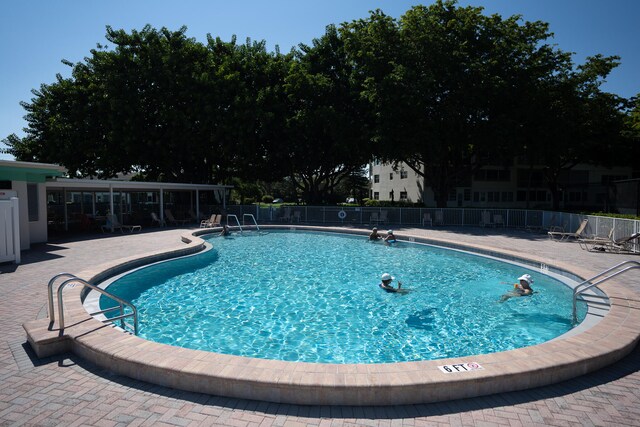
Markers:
point(82, 204)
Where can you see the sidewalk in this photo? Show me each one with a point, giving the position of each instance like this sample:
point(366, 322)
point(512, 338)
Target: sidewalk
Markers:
point(68, 391)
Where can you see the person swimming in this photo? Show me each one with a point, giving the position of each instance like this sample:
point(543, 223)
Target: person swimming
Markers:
point(523, 288)
point(374, 234)
point(390, 238)
point(386, 283)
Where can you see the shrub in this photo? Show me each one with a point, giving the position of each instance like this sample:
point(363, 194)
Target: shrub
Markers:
point(267, 199)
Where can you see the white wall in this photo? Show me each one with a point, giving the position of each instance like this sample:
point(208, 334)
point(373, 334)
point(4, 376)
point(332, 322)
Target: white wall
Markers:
point(38, 229)
point(20, 187)
point(31, 231)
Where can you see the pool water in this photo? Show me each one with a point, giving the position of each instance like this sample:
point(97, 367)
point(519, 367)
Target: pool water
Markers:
point(314, 297)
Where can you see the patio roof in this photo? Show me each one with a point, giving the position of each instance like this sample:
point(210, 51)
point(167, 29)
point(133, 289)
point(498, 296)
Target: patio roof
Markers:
point(106, 185)
point(11, 170)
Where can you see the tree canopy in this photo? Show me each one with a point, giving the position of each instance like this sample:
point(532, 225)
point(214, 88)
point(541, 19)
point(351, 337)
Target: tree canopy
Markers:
point(445, 89)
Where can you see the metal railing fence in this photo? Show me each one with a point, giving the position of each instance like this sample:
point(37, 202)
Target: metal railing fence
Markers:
point(387, 217)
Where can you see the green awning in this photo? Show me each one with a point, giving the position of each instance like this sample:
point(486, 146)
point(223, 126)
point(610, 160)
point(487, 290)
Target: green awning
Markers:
point(28, 172)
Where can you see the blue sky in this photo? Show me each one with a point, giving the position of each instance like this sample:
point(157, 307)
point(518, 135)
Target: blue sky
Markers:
point(36, 34)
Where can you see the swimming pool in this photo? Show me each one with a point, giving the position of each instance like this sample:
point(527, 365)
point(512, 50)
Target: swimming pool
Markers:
point(313, 297)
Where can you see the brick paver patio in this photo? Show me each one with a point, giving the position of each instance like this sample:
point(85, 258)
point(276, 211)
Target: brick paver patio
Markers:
point(66, 390)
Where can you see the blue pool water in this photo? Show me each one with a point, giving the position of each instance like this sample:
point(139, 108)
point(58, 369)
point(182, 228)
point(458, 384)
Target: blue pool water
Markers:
point(314, 297)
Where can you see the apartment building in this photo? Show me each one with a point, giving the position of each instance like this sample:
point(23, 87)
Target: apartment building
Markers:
point(518, 186)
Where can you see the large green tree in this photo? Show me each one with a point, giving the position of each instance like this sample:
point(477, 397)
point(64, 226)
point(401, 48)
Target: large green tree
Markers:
point(327, 131)
point(453, 90)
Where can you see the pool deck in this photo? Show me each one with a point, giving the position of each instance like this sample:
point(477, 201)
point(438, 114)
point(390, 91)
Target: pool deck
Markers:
point(67, 389)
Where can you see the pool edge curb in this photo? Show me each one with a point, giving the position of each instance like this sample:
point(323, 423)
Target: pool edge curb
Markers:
point(326, 384)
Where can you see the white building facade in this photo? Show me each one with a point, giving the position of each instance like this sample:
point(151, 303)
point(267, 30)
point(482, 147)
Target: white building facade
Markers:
point(518, 186)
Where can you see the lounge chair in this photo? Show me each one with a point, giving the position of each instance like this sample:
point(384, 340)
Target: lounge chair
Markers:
point(595, 243)
point(169, 215)
point(155, 219)
point(485, 221)
point(212, 221)
point(626, 244)
point(286, 215)
point(113, 224)
point(609, 244)
point(560, 236)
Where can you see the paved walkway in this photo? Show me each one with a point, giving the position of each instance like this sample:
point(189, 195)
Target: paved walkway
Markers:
point(65, 390)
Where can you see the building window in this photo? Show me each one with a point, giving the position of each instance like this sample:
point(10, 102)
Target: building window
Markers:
point(32, 202)
point(534, 196)
point(403, 195)
point(376, 195)
point(493, 196)
point(391, 176)
point(376, 178)
point(501, 175)
point(404, 174)
point(479, 196)
point(467, 194)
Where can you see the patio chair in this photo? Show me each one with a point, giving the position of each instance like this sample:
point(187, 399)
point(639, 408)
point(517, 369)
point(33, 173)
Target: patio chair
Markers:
point(155, 219)
point(596, 243)
point(169, 215)
point(623, 245)
point(626, 244)
point(286, 215)
point(560, 236)
point(485, 221)
point(212, 221)
point(426, 218)
point(114, 224)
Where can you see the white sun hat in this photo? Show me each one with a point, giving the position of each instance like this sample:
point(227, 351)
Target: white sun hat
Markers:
point(387, 276)
point(527, 278)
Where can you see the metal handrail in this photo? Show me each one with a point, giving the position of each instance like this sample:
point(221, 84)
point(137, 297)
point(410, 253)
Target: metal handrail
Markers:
point(50, 292)
point(237, 221)
point(253, 218)
point(588, 284)
point(122, 303)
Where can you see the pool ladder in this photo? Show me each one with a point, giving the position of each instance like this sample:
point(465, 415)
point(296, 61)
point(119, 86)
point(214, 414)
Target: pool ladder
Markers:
point(597, 299)
point(121, 303)
point(244, 221)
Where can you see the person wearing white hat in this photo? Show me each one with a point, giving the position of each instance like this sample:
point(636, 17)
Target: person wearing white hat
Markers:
point(386, 283)
point(520, 289)
point(390, 238)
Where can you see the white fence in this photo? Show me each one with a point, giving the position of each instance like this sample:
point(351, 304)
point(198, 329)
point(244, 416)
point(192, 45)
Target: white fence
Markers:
point(530, 220)
point(9, 231)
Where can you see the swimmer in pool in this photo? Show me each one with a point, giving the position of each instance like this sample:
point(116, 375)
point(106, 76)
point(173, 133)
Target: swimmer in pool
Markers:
point(523, 288)
point(374, 234)
point(225, 230)
point(386, 283)
point(390, 238)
